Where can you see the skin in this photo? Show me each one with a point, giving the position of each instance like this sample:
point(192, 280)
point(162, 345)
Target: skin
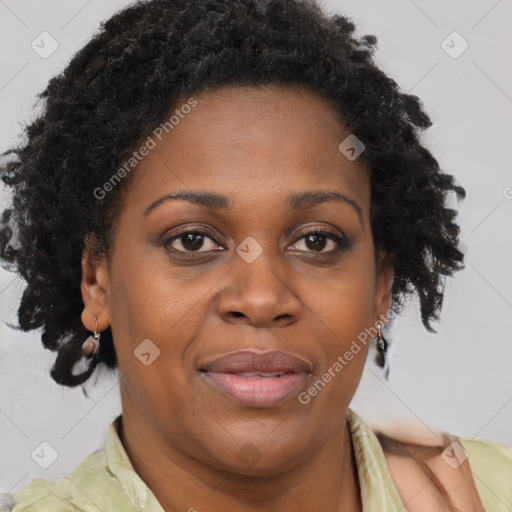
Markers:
point(256, 146)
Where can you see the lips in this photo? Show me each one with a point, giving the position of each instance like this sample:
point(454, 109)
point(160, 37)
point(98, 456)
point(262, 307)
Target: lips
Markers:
point(272, 361)
point(257, 379)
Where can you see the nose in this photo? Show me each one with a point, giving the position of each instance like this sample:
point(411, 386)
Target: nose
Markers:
point(259, 294)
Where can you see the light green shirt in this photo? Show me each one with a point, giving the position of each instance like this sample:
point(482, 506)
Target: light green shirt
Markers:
point(106, 481)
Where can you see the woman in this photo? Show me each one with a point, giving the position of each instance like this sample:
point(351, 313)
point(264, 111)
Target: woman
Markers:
point(220, 199)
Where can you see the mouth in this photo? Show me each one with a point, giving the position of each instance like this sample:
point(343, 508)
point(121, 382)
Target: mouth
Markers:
point(257, 379)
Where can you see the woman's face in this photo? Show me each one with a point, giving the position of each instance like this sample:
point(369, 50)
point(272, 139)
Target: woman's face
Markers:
point(259, 276)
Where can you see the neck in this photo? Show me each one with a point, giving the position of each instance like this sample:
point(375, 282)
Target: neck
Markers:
point(326, 481)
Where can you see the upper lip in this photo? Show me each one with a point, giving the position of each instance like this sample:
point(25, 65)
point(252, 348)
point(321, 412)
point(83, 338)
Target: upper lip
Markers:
point(252, 360)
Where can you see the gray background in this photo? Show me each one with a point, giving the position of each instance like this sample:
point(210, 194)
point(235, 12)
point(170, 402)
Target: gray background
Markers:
point(458, 380)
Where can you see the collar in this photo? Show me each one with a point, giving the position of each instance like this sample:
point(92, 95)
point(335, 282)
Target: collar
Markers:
point(118, 464)
point(378, 491)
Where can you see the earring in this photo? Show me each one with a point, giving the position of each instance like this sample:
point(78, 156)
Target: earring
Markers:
point(382, 344)
point(91, 345)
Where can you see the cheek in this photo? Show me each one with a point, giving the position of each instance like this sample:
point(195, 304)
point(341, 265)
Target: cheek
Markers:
point(341, 331)
point(346, 298)
point(343, 348)
point(157, 310)
point(341, 311)
point(152, 325)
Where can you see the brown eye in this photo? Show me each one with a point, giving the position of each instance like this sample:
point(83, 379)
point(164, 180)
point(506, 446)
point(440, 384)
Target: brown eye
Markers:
point(191, 241)
point(317, 239)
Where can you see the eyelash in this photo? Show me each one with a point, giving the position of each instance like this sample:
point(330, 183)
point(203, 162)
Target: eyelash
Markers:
point(342, 243)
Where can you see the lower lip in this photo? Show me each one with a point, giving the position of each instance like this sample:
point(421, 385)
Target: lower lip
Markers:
point(257, 391)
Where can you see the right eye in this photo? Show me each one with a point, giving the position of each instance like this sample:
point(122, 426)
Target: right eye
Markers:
point(189, 241)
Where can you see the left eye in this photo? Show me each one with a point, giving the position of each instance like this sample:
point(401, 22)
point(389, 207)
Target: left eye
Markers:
point(318, 240)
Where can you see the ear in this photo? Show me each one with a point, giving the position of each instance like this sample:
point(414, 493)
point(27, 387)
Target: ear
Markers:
point(383, 284)
point(94, 288)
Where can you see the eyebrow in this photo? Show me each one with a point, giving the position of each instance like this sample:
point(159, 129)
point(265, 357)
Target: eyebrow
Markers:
point(296, 202)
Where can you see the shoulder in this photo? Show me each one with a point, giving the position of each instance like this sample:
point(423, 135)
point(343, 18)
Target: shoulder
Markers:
point(64, 495)
point(445, 472)
point(105, 480)
point(491, 465)
point(40, 495)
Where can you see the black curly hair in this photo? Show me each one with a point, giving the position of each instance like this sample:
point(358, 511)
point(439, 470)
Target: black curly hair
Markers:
point(125, 81)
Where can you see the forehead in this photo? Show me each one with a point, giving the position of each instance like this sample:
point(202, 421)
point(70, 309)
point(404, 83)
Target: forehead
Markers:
point(248, 142)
